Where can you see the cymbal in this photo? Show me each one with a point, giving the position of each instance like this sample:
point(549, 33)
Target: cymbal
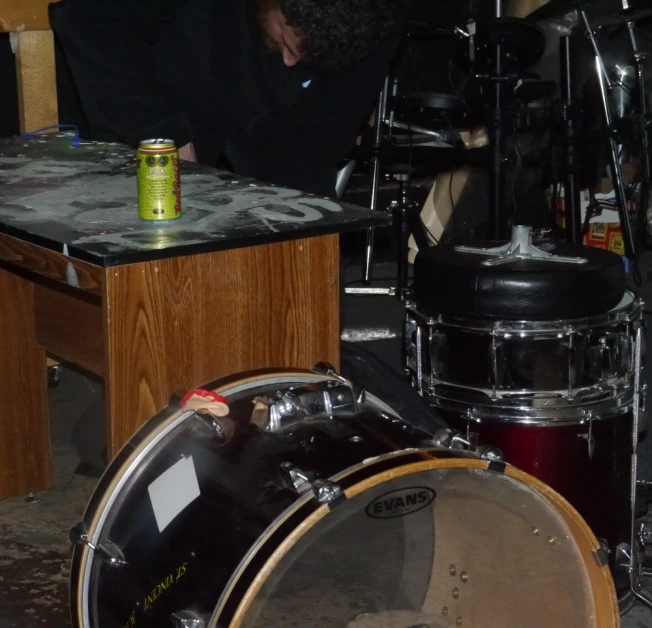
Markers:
point(631, 15)
point(555, 8)
point(524, 43)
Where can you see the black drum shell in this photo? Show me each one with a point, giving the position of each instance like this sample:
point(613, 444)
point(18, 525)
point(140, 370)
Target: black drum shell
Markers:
point(243, 491)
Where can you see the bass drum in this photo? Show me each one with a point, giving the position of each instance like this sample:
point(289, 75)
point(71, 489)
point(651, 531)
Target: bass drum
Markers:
point(296, 499)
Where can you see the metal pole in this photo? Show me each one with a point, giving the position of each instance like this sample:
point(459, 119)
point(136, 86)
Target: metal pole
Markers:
point(497, 181)
point(571, 184)
point(616, 171)
point(640, 59)
point(635, 571)
point(589, 31)
point(375, 177)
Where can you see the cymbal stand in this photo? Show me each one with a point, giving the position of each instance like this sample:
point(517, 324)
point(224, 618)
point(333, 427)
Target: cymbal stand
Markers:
point(606, 86)
point(406, 219)
point(643, 124)
point(375, 176)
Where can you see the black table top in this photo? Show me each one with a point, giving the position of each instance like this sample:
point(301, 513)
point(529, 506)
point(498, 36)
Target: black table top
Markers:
point(83, 201)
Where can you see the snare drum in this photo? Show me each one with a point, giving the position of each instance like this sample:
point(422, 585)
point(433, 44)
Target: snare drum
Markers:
point(504, 362)
point(556, 397)
point(313, 504)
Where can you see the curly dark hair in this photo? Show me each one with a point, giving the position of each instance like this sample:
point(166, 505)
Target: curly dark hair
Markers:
point(337, 33)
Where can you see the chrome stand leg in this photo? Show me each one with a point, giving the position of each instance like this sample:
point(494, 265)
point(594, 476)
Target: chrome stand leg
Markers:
point(368, 260)
point(635, 561)
point(643, 132)
point(617, 172)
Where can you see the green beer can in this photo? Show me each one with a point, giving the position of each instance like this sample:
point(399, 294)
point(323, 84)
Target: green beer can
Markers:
point(159, 184)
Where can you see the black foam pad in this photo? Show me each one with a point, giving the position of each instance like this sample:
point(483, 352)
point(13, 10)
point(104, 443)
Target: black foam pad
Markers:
point(449, 281)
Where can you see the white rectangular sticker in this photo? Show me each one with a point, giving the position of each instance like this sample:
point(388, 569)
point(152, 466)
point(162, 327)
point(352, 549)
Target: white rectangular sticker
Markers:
point(173, 491)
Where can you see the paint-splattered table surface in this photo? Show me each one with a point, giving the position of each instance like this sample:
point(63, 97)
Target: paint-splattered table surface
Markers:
point(83, 201)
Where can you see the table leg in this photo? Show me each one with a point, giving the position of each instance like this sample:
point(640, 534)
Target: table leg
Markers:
point(179, 323)
point(25, 457)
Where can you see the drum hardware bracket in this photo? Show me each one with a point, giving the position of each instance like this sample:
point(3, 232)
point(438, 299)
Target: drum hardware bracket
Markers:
point(520, 247)
point(188, 619)
point(492, 454)
point(301, 480)
point(645, 531)
point(449, 439)
point(327, 492)
point(212, 422)
point(297, 405)
point(324, 368)
point(108, 552)
point(601, 554)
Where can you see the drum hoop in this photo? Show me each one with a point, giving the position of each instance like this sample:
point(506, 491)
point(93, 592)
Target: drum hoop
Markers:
point(121, 468)
point(599, 575)
point(553, 416)
point(627, 311)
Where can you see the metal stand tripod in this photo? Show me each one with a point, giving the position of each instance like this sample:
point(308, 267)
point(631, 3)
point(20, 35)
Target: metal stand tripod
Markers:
point(406, 221)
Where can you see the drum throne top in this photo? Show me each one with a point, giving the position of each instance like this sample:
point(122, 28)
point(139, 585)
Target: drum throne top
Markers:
point(520, 279)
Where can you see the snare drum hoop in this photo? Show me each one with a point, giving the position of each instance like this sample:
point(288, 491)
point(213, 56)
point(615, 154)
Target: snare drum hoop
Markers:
point(125, 463)
point(597, 567)
point(542, 416)
point(628, 310)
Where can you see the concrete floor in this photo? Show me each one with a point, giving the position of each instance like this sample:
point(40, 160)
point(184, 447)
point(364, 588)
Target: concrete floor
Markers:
point(34, 548)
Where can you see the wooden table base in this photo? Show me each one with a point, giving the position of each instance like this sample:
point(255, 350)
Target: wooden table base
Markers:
point(25, 460)
point(152, 329)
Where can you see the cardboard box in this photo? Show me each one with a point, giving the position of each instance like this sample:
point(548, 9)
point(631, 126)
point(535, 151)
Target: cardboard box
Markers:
point(606, 235)
point(604, 226)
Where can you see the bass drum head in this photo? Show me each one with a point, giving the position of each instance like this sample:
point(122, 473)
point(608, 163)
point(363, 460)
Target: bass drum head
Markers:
point(506, 551)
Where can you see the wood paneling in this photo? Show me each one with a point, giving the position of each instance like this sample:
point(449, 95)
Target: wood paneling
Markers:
point(37, 83)
point(179, 323)
point(52, 265)
point(24, 426)
point(29, 15)
point(70, 327)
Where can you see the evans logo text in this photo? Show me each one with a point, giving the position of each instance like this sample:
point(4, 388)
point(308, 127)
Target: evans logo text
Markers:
point(400, 503)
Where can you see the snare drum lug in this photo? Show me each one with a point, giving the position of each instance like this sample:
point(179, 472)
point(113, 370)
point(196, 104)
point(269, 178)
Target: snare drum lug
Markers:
point(188, 619)
point(589, 437)
point(107, 552)
point(643, 404)
point(326, 492)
